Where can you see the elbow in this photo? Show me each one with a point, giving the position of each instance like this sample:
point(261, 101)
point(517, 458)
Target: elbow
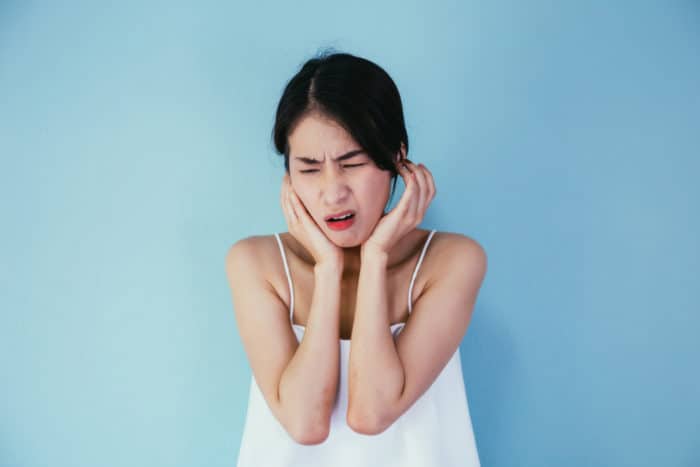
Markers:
point(308, 424)
point(310, 435)
point(366, 423)
point(308, 430)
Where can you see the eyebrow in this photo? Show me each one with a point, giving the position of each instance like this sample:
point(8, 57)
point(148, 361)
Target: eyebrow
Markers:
point(347, 155)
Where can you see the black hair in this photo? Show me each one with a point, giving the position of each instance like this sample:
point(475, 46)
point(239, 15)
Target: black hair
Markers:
point(352, 91)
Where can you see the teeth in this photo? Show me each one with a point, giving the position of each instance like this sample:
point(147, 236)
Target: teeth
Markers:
point(340, 218)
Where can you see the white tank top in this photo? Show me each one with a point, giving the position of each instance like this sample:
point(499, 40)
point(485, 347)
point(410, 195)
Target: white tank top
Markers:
point(436, 431)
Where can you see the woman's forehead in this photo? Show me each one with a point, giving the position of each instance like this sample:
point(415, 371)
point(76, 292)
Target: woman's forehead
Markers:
point(320, 138)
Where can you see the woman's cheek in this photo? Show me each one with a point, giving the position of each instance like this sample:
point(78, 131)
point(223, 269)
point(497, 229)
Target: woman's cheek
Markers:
point(302, 200)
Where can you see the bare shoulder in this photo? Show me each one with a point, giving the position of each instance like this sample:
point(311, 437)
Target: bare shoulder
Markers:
point(259, 256)
point(451, 252)
point(252, 253)
point(453, 242)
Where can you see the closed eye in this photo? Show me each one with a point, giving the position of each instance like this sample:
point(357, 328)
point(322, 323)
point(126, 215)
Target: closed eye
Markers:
point(316, 170)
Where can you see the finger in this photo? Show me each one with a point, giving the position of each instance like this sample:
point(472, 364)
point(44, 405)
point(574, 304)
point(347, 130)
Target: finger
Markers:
point(292, 212)
point(303, 215)
point(283, 194)
point(283, 203)
point(287, 214)
point(405, 172)
point(425, 190)
point(283, 190)
point(431, 182)
point(406, 205)
point(419, 178)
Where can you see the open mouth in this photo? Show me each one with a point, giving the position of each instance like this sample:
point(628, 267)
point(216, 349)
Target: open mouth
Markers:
point(342, 221)
point(341, 218)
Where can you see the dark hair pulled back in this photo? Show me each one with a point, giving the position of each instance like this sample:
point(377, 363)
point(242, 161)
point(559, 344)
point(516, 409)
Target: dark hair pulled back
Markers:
point(352, 91)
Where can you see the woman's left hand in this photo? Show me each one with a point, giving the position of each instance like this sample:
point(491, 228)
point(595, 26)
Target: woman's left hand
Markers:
point(408, 213)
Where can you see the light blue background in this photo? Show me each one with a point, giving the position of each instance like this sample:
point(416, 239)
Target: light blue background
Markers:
point(135, 142)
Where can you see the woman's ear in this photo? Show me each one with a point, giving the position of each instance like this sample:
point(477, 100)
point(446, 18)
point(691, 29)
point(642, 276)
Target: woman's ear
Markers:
point(401, 155)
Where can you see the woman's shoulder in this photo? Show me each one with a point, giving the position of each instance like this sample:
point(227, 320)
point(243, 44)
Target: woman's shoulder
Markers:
point(254, 253)
point(265, 247)
point(261, 253)
point(442, 243)
point(449, 248)
point(454, 243)
point(259, 242)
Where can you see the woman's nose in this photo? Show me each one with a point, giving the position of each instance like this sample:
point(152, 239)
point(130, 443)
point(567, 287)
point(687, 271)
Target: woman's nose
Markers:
point(334, 185)
point(332, 176)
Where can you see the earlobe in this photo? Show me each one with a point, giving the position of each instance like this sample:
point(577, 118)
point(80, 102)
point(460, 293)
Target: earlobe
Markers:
point(397, 163)
point(402, 153)
point(400, 156)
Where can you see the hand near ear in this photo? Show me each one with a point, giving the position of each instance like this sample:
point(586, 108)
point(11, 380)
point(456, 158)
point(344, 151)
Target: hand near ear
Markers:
point(408, 213)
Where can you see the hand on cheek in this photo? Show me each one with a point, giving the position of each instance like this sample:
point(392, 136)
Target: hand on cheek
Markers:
point(303, 227)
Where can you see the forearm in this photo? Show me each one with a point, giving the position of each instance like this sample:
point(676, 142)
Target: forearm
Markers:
point(309, 383)
point(376, 375)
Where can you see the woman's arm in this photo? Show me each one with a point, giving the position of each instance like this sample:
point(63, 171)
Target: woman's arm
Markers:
point(298, 380)
point(309, 384)
point(375, 372)
point(387, 376)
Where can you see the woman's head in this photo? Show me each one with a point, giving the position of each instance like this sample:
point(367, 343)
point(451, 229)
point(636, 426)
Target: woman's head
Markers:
point(342, 105)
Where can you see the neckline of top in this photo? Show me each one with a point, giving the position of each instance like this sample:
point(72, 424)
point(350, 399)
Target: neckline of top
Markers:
point(291, 288)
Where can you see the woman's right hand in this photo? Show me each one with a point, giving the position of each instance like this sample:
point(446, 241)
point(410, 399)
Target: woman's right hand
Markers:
point(304, 228)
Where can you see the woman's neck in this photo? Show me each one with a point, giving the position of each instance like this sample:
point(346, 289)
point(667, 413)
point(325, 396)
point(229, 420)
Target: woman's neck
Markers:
point(352, 260)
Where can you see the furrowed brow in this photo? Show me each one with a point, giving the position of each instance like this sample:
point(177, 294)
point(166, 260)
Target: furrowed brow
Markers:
point(348, 155)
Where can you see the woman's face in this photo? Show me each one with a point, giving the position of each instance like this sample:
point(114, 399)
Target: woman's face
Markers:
point(328, 186)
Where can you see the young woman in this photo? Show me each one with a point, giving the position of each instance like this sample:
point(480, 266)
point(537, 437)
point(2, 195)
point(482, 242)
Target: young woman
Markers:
point(354, 355)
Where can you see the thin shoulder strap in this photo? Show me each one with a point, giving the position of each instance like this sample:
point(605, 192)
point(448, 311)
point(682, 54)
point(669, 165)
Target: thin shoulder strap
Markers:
point(415, 271)
point(289, 279)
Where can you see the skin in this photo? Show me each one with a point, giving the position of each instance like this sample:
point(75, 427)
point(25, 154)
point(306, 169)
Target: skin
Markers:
point(350, 284)
point(323, 187)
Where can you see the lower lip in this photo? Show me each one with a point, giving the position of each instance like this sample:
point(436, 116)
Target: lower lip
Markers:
point(342, 225)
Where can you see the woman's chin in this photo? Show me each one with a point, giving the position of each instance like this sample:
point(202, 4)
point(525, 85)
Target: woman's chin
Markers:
point(345, 238)
point(346, 242)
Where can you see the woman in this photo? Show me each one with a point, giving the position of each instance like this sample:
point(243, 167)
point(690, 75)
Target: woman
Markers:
point(354, 355)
